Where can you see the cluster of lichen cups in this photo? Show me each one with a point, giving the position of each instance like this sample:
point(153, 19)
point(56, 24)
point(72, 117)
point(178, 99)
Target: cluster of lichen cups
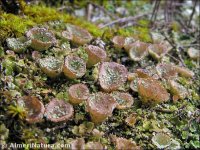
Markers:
point(138, 50)
point(112, 77)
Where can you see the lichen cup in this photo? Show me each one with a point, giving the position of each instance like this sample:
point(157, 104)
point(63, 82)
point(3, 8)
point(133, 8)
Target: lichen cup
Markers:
point(157, 51)
point(41, 38)
point(112, 76)
point(151, 91)
point(58, 111)
point(118, 41)
point(34, 107)
point(51, 66)
point(124, 100)
point(138, 51)
point(18, 45)
point(95, 55)
point(76, 34)
point(124, 144)
point(74, 67)
point(94, 146)
point(100, 106)
point(78, 93)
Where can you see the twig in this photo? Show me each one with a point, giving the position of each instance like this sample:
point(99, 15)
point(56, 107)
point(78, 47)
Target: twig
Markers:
point(155, 10)
point(193, 11)
point(104, 10)
point(125, 19)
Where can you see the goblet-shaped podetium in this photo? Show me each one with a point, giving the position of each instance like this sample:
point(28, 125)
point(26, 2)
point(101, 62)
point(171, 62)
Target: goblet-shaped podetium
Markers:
point(94, 146)
point(76, 34)
point(41, 38)
point(34, 107)
point(78, 93)
point(18, 45)
point(184, 72)
point(74, 67)
point(147, 73)
point(124, 100)
point(51, 66)
point(166, 71)
point(122, 143)
point(128, 42)
point(95, 55)
point(118, 41)
point(100, 106)
point(112, 76)
point(178, 90)
point(59, 111)
point(157, 51)
point(151, 91)
point(138, 51)
point(193, 53)
point(77, 144)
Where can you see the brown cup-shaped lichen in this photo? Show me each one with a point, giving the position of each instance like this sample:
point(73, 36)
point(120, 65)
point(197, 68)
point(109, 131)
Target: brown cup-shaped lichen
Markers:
point(118, 41)
point(18, 45)
point(76, 34)
point(51, 66)
point(78, 93)
point(74, 67)
point(95, 55)
point(77, 144)
point(100, 106)
point(184, 72)
point(193, 53)
point(124, 144)
point(41, 38)
point(94, 146)
point(178, 91)
point(59, 111)
point(128, 43)
point(166, 71)
point(112, 76)
point(124, 100)
point(151, 91)
point(138, 51)
point(170, 71)
point(157, 51)
point(34, 107)
point(147, 73)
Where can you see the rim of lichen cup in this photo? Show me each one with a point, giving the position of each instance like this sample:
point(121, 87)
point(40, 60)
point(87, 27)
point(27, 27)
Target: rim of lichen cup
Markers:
point(100, 106)
point(152, 91)
point(76, 34)
point(95, 55)
point(34, 107)
point(118, 41)
point(40, 43)
point(112, 76)
point(74, 67)
point(51, 66)
point(59, 111)
point(78, 93)
point(157, 51)
point(138, 51)
point(18, 45)
point(124, 99)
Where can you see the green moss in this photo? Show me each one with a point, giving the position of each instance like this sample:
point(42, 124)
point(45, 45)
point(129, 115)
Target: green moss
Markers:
point(12, 25)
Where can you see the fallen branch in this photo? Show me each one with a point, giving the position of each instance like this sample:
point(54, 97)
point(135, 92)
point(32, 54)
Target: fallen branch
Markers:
point(125, 19)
